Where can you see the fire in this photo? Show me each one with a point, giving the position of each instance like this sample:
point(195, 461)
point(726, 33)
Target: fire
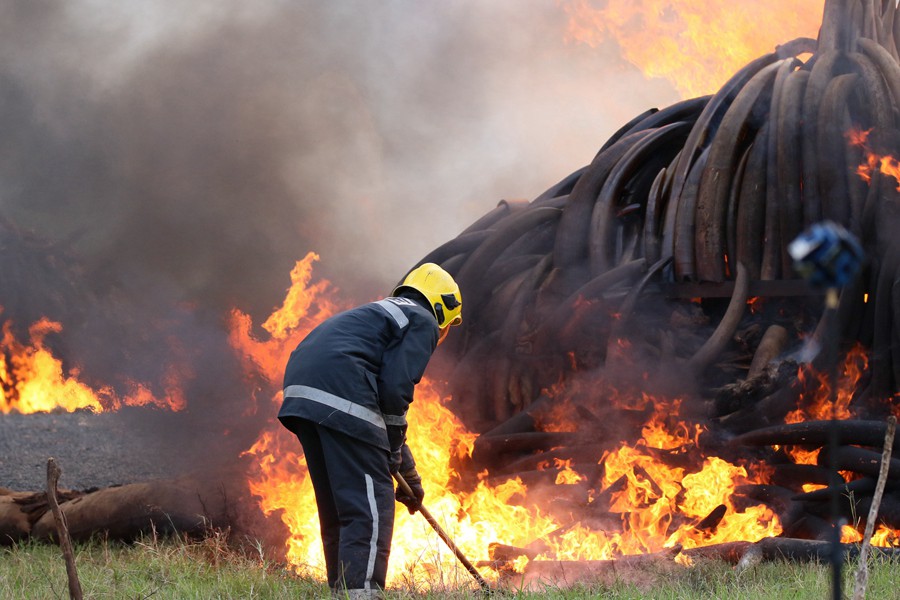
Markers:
point(695, 44)
point(886, 165)
point(287, 325)
point(282, 485)
point(279, 477)
point(714, 486)
point(567, 475)
point(849, 535)
point(816, 403)
point(294, 312)
point(561, 416)
point(872, 161)
point(884, 536)
point(280, 480)
point(803, 457)
point(665, 503)
point(858, 137)
point(33, 379)
point(658, 434)
point(656, 505)
point(755, 304)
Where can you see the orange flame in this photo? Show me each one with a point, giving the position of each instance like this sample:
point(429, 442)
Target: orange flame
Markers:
point(566, 475)
point(886, 537)
point(886, 165)
point(658, 506)
point(873, 162)
point(695, 44)
point(657, 433)
point(287, 325)
point(560, 416)
point(858, 137)
point(849, 535)
point(755, 304)
point(658, 496)
point(803, 457)
point(33, 379)
point(818, 404)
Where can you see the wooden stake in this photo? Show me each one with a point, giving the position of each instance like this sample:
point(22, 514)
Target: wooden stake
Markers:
point(862, 572)
point(62, 530)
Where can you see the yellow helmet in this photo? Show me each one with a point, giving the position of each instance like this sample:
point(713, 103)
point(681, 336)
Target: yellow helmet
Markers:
point(441, 291)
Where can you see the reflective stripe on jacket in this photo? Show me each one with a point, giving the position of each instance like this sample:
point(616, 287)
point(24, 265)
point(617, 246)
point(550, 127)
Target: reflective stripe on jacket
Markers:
point(356, 372)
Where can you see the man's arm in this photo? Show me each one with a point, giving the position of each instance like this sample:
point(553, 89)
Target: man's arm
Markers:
point(403, 365)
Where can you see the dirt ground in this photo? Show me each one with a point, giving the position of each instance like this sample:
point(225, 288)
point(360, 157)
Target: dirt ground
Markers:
point(96, 450)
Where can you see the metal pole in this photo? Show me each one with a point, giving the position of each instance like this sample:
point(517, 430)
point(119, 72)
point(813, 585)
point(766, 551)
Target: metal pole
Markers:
point(829, 257)
point(835, 481)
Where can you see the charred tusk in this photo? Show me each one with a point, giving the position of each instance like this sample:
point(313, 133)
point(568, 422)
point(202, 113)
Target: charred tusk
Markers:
point(725, 330)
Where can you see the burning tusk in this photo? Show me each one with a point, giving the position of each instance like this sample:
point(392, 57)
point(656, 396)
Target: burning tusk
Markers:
point(821, 74)
point(685, 229)
point(753, 216)
point(666, 140)
point(573, 231)
point(725, 330)
point(716, 181)
point(773, 342)
point(775, 255)
point(815, 433)
point(788, 130)
point(834, 189)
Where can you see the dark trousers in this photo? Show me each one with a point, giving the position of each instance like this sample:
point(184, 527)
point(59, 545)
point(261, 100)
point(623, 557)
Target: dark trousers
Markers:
point(355, 497)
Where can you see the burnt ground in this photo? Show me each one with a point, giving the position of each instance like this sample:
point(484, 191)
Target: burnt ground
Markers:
point(100, 450)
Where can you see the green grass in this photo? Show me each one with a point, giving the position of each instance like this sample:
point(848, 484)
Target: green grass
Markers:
point(209, 569)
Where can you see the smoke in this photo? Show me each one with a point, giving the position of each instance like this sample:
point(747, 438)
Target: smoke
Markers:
point(204, 148)
point(189, 153)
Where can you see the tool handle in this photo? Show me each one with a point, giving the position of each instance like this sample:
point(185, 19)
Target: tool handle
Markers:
point(443, 535)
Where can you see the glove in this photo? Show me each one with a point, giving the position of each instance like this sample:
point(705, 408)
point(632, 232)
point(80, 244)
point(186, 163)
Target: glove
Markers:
point(413, 502)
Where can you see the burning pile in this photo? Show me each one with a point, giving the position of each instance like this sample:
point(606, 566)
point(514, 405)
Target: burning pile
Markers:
point(623, 326)
point(638, 370)
point(696, 201)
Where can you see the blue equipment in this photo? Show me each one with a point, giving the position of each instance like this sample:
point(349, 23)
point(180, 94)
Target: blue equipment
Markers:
point(826, 255)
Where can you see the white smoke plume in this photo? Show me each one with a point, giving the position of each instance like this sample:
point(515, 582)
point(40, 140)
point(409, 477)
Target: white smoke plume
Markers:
point(202, 147)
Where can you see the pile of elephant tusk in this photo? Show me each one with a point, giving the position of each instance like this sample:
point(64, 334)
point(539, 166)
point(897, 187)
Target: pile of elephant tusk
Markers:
point(668, 254)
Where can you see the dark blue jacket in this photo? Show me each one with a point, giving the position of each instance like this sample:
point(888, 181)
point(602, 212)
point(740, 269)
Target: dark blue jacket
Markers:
point(356, 371)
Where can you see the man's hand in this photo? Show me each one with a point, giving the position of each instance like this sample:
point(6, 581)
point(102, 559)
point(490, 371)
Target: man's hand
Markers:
point(413, 502)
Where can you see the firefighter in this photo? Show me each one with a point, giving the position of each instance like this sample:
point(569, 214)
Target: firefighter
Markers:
point(347, 387)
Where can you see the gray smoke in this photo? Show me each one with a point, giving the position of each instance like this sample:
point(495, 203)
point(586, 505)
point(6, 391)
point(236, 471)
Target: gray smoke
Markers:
point(203, 147)
point(191, 152)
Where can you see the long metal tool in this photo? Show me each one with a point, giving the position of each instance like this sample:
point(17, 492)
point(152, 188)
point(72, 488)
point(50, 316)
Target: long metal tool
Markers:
point(828, 256)
point(485, 586)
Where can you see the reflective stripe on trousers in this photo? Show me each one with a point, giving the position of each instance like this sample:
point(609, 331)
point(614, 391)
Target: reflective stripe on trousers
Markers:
point(355, 497)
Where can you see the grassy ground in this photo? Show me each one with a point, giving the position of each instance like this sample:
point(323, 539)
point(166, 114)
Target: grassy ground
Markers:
point(208, 569)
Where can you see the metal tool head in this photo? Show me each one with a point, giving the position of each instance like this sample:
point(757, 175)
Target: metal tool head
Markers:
point(826, 255)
